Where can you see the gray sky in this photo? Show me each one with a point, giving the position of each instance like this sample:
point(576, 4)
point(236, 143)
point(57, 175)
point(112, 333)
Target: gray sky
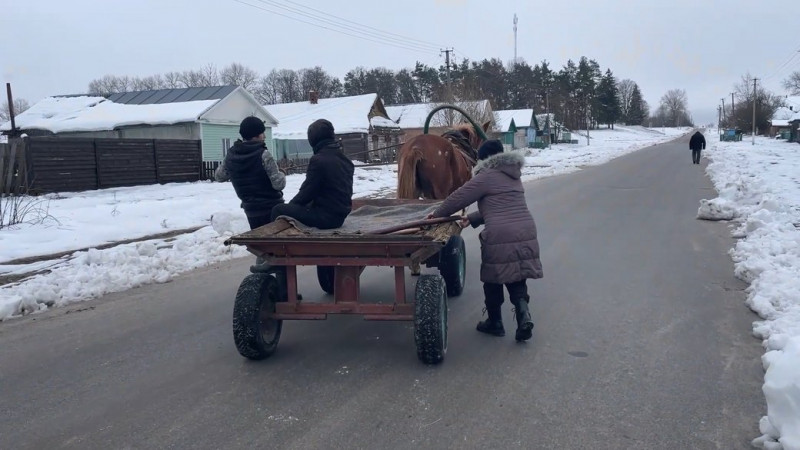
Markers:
point(703, 46)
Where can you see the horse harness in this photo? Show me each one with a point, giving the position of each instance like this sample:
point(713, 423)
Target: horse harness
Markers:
point(458, 141)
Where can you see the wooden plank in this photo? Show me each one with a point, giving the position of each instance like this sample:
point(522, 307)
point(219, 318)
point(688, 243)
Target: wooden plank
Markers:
point(3, 152)
point(11, 162)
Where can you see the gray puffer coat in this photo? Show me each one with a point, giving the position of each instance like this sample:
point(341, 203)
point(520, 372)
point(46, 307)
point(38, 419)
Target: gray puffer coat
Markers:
point(509, 247)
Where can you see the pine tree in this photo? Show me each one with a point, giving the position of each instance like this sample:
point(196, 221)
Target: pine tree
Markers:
point(638, 108)
point(608, 107)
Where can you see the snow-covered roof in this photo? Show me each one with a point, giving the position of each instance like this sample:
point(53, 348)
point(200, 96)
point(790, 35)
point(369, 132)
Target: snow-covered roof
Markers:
point(542, 121)
point(88, 113)
point(522, 118)
point(413, 115)
point(347, 114)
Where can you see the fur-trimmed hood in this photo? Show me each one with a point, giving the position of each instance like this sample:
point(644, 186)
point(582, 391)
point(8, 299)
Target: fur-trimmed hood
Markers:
point(509, 163)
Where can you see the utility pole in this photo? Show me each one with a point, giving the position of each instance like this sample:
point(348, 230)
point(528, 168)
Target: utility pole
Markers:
point(755, 96)
point(719, 122)
point(733, 111)
point(723, 108)
point(446, 52)
point(11, 110)
point(515, 41)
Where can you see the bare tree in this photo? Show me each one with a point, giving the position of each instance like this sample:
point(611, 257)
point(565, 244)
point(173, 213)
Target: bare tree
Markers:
point(209, 75)
point(20, 105)
point(149, 83)
point(266, 91)
point(110, 84)
point(289, 86)
point(172, 80)
point(239, 75)
point(625, 90)
point(317, 79)
point(792, 83)
point(675, 103)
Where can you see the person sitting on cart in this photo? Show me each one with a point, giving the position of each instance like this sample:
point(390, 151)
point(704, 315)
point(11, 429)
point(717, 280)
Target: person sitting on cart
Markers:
point(254, 173)
point(325, 197)
point(509, 244)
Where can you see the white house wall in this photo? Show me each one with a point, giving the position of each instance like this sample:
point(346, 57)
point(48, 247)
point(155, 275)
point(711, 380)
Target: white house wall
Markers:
point(233, 108)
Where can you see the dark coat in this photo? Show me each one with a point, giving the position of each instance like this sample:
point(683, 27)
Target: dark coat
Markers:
point(329, 180)
point(509, 245)
point(697, 142)
point(255, 177)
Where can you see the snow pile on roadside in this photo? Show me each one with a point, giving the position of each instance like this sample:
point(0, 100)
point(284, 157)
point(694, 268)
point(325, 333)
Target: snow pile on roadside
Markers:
point(92, 273)
point(760, 185)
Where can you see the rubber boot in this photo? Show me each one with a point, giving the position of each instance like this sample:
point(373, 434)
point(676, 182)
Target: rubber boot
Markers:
point(523, 316)
point(494, 322)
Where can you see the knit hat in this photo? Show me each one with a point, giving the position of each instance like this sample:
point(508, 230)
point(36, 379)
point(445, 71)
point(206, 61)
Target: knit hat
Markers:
point(489, 148)
point(320, 130)
point(251, 127)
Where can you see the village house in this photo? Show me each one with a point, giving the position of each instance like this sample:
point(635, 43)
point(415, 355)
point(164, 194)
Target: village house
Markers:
point(411, 117)
point(516, 127)
point(208, 114)
point(361, 123)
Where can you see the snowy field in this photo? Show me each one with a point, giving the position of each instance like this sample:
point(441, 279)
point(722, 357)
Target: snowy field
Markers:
point(759, 192)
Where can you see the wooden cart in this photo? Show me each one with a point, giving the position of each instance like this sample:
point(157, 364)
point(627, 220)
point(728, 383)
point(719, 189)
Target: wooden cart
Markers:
point(265, 299)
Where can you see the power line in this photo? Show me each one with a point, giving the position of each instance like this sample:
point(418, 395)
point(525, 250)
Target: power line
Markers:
point(384, 42)
point(791, 57)
point(326, 19)
point(431, 44)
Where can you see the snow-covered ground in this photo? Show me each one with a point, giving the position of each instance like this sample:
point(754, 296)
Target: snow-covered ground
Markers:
point(759, 191)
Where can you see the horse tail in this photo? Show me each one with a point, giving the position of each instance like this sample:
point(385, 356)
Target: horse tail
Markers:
point(407, 172)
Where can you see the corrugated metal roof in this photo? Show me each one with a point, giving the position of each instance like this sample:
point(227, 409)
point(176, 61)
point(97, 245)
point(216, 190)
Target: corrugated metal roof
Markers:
point(172, 95)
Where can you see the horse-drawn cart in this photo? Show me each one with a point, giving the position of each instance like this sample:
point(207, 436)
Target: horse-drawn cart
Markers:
point(265, 299)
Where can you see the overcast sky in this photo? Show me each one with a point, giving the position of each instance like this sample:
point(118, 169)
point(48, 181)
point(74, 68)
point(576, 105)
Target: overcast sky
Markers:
point(703, 46)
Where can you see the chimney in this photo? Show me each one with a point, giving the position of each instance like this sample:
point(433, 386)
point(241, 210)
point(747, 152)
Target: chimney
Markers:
point(313, 97)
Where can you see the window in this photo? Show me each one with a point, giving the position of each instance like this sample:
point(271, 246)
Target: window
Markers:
point(226, 144)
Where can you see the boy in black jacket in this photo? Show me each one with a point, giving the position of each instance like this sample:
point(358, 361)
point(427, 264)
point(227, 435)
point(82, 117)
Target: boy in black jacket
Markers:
point(325, 197)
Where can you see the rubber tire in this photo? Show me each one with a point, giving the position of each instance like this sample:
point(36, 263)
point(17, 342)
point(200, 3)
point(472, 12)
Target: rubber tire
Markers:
point(256, 338)
point(325, 276)
point(453, 265)
point(430, 319)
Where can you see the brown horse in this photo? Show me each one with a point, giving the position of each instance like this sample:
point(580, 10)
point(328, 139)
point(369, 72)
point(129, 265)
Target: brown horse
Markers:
point(432, 167)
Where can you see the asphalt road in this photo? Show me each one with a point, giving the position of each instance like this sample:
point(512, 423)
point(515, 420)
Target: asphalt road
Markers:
point(642, 341)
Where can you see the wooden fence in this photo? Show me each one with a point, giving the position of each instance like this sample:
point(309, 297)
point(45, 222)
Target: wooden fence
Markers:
point(13, 176)
point(46, 164)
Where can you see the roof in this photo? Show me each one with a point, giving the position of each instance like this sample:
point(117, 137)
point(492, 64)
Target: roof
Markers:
point(88, 113)
point(522, 118)
point(161, 96)
point(348, 115)
point(413, 115)
point(72, 113)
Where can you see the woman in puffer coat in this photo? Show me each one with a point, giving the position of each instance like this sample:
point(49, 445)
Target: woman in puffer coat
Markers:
point(509, 245)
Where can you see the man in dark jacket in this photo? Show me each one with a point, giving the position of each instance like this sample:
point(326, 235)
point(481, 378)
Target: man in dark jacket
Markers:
point(325, 197)
point(697, 143)
point(252, 170)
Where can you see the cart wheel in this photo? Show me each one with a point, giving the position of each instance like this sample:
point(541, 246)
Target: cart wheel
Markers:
point(255, 332)
point(430, 319)
point(453, 265)
point(325, 275)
